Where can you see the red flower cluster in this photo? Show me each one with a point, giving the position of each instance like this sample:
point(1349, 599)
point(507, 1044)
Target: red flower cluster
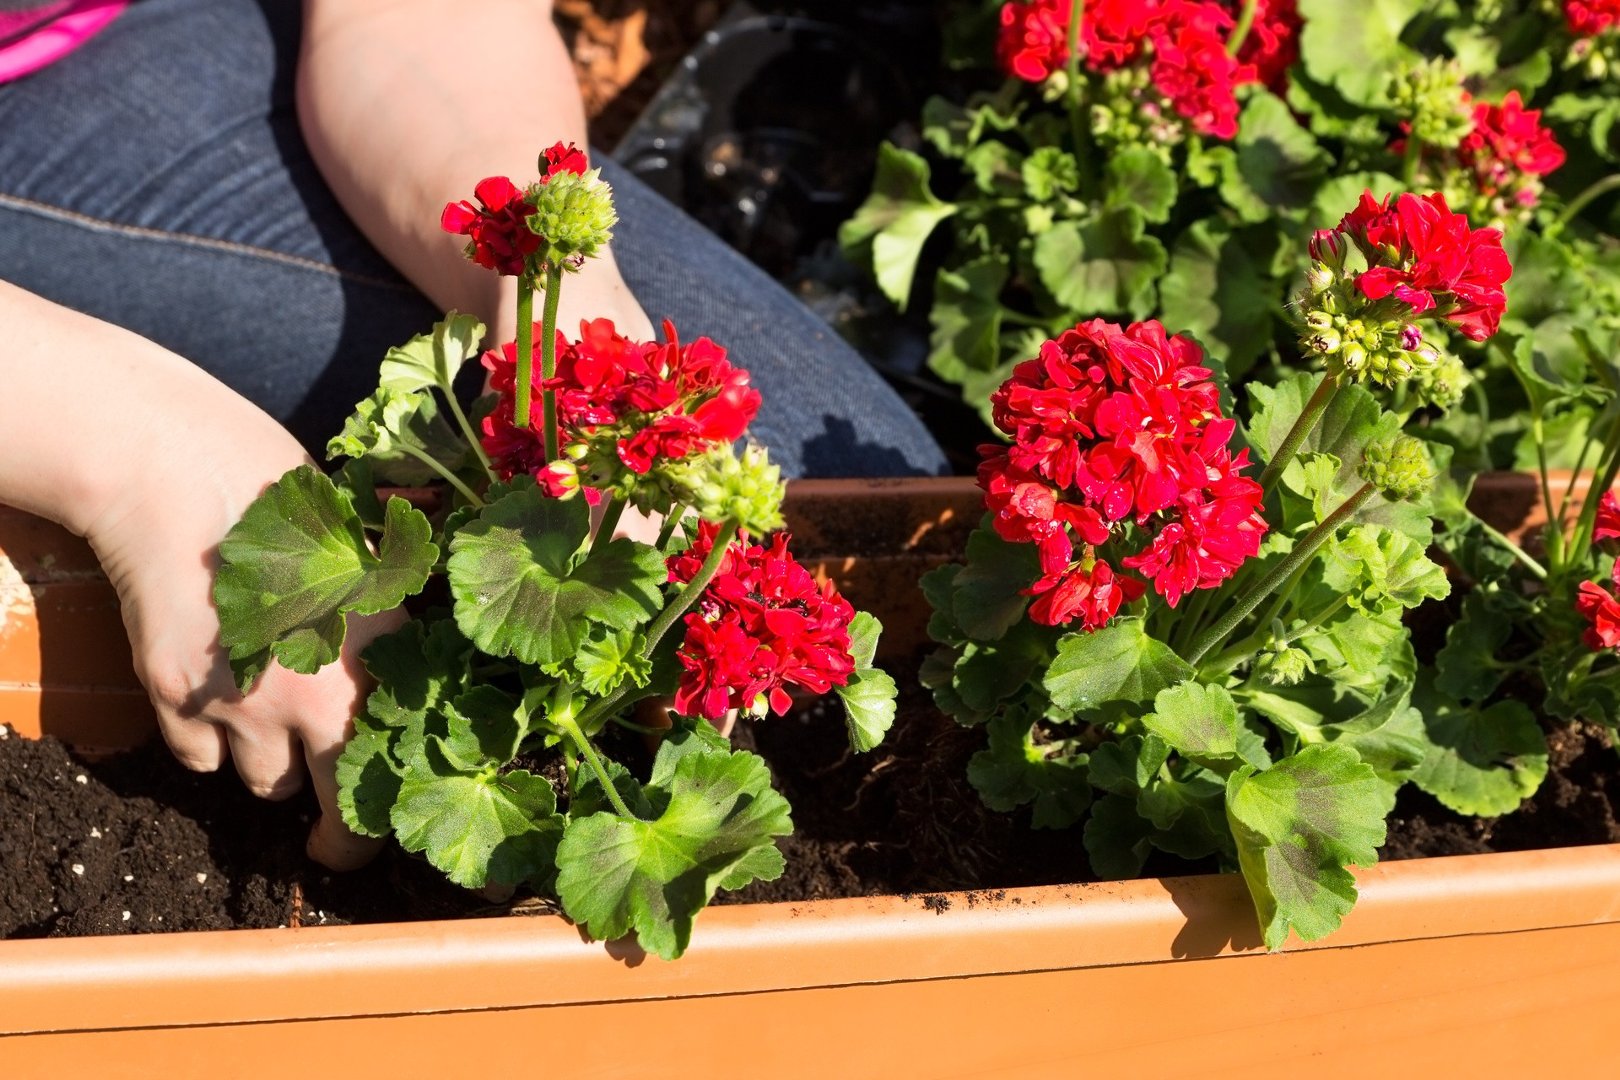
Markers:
point(1273, 42)
point(499, 237)
point(1183, 42)
point(1607, 525)
point(1507, 145)
point(1601, 611)
point(1428, 258)
point(1112, 427)
point(1587, 18)
point(762, 625)
point(649, 400)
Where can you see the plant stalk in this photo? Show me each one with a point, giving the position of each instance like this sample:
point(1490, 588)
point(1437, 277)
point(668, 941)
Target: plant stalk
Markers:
point(433, 463)
point(548, 358)
point(472, 435)
point(1280, 573)
point(1077, 127)
point(1326, 390)
point(525, 351)
point(572, 728)
point(1594, 190)
point(1245, 23)
point(1413, 158)
point(609, 522)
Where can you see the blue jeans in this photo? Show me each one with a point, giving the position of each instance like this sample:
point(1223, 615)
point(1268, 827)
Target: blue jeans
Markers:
point(157, 179)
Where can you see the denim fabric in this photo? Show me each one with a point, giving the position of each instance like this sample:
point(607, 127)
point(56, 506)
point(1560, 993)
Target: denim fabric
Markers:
point(156, 179)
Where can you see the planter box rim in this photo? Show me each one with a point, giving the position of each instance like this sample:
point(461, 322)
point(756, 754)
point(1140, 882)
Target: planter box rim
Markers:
point(253, 976)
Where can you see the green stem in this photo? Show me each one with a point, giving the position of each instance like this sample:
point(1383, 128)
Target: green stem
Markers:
point(1605, 477)
point(525, 351)
point(1077, 126)
point(1280, 573)
point(609, 522)
point(666, 618)
point(1518, 552)
point(1593, 190)
point(1555, 527)
point(1308, 416)
point(472, 436)
point(572, 729)
point(1414, 156)
point(548, 358)
point(667, 530)
point(431, 462)
point(1240, 32)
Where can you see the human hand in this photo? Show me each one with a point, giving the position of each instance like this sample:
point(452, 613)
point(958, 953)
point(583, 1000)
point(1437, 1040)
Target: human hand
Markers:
point(158, 540)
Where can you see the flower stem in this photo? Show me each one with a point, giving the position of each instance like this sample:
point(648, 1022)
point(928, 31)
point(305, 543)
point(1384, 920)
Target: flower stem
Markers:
point(525, 351)
point(1414, 156)
point(1518, 552)
point(548, 357)
point(1240, 32)
point(472, 435)
point(1593, 190)
point(433, 463)
point(609, 522)
point(1280, 573)
point(667, 530)
point(588, 752)
point(1303, 425)
point(1077, 127)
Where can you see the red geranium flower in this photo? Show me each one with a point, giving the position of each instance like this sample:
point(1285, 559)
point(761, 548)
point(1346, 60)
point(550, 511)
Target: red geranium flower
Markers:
point(1607, 526)
point(1586, 18)
point(563, 157)
point(1192, 68)
point(1507, 145)
point(1092, 594)
point(1273, 42)
point(1427, 257)
point(1602, 613)
point(498, 229)
point(762, 625)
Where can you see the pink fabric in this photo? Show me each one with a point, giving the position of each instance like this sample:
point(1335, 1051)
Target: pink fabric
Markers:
point(55, 40)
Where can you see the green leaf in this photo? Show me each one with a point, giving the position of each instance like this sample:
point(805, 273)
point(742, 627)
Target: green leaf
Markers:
point(987, 597)
point(1221, 294)
point(475, 824)
point(864, 632)
point(1389, 735)
point(418, 668)
point(1117, 663)
point(966, 318)
point(368, 780)
point(1355, 46)
point(1375, 567)
point(608, 657)
point(955, 129)
point(869, 706)
point(387, 422)
point(1117, 838)
point(1278, 165)
point(298, 562)
point(1298, 826)
point(1199, 722)
point(1466, 668)
point(482, 727)
point(433, 359)
point(524, 588)
point(1137, 177)
point(1187, 814)
point(1126, 766)
point(1483, 762)
point(1015, 770)
point(716, 827)
point(892, 225)
point(1050, 172)
point(1103, 266)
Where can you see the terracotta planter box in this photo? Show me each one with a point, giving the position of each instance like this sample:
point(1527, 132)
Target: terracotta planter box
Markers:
point(1486, 965)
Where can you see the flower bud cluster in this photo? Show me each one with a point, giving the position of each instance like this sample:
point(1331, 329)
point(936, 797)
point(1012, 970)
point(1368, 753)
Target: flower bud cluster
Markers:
point(1595, 52)
point(1358, 336)
point(722, 486)
point(1129, 111)
point(1399, 468)
point(574, 216)
point(1430, 97)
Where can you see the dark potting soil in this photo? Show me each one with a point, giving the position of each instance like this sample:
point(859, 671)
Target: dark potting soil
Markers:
point(137, 844)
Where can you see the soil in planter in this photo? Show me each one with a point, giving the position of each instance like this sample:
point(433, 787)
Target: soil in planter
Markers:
point(137, 844)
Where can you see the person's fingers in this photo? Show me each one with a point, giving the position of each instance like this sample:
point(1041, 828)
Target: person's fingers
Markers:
point(267, 760)
point(196, 743)
point(331, 843)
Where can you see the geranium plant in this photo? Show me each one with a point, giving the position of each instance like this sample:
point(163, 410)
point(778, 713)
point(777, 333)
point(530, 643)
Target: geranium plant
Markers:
point(1202, 658)
point(536, 629)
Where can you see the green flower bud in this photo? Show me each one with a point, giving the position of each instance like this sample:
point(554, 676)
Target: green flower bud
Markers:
point(1399, 468)
point(1431, 96)
point(1354, 359)
point(723, 486)
point(1319, 278)
point(1288, 666)
point(574, 213)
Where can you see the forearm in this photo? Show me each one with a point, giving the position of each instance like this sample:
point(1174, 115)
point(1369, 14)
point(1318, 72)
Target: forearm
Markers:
point(406, 104)
point(92, 415)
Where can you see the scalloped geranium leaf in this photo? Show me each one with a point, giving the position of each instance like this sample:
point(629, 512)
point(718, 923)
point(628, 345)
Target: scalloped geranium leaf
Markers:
point(1481, 762)
point(1355, 47)
point(368, 779)
point(987, 594)
point(476, 824)
point(1374, 567)
point(1466, 668)
point(1278, 163)
point(1137, 176)
point(434, 358)
point(416, 667)
point(1299, 825)
point(1199, 722)
point(1120, 662)
point(1015, 771)
point(1106, 265)
point(1126, 766)
point(524, 587)
point(484, 726)
point(892, 225)
point(966, 317)
point(1117, 838)
point(869, 707)
point(608, 657)
point(717, 824)
point(298, 562)
point(391, 428)
point(1218, 291)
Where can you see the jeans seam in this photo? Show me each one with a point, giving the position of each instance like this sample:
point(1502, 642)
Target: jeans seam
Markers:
point(232, 247)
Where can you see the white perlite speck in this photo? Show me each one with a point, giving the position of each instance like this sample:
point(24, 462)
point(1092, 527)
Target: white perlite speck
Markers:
point(129, 877)
point(81, 779)
point(95, 834)
point(77, 868)
point(201, 877)
point(126, 916)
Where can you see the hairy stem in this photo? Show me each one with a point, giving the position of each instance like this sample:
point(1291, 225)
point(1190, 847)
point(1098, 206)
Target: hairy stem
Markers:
point(1414, 157)
point(609, 522)
point(1306, 422)
point(472, 435)
point(548, 358)
point(588, 752)
point(1594, 190)
point(1077, 126)
point(1240, 32)
point(1518, 552)
point(525, 351)
point(433, 463)
point(1280, 573)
